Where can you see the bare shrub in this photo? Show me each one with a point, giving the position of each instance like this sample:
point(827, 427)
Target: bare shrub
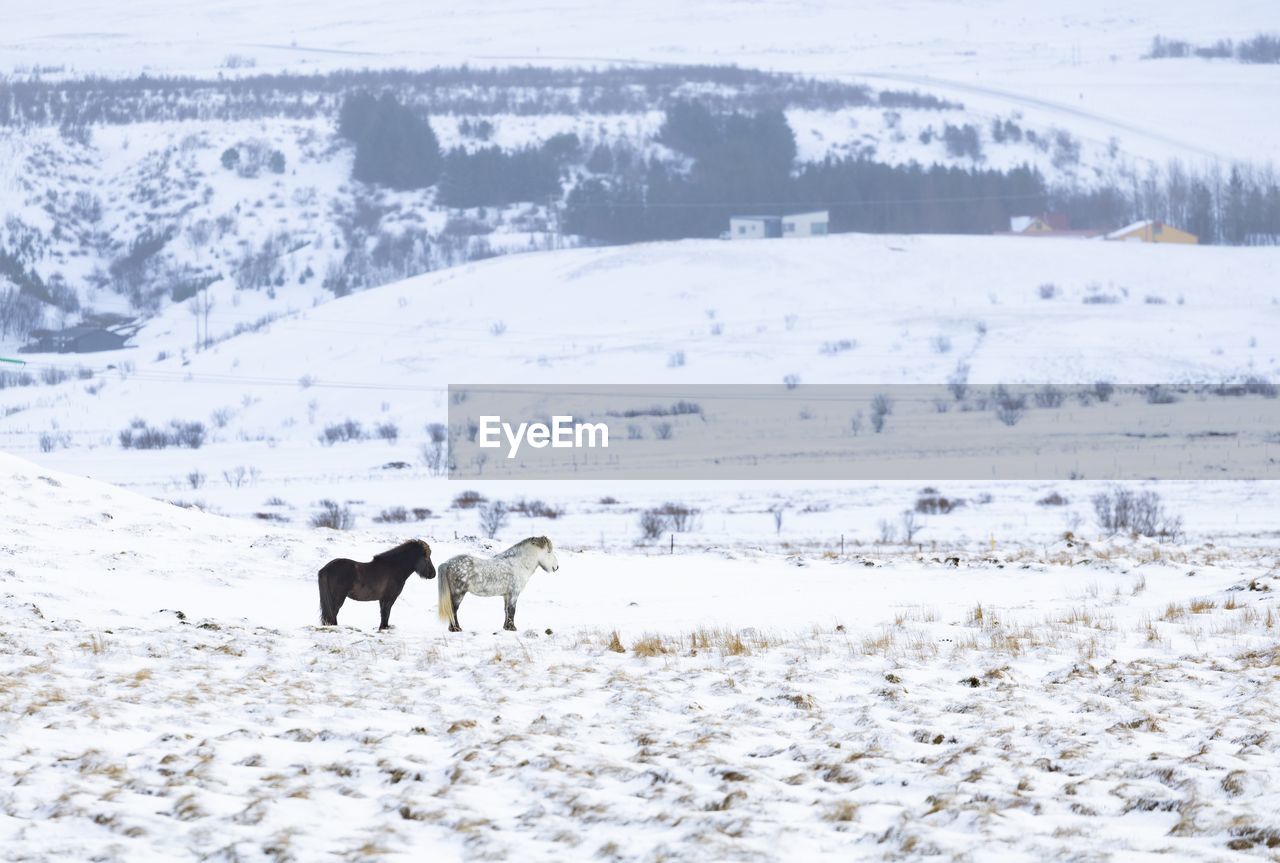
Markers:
point(881, 407)
point(389, 432)
point(838, 346)
point(179, 434)
point(1253, 385)
point(347, 430)
point(188, 434)
point(1158, 395)
point(1103, 390)
point(680, 518)
point(49, 441)
point(1009, 406)
point(392, 515)
point(1048, 291)
point(1049, 396)
point(493, 518)
point(652, 524)
point(469, 499)
point(932, 503)
point(1052, 499)
point(910, 526)
point(333, 516)
point(537, 509)
point(1099, 299)
point(433, 452)
point(1121, 510)
point(958, 383)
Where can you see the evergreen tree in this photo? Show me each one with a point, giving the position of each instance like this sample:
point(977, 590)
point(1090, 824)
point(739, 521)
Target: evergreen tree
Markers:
point(394, 146)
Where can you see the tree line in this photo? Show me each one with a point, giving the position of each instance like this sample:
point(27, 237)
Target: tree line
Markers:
point(396, 147)
point(740, 164)
point(1263, 48)
point(80, 103)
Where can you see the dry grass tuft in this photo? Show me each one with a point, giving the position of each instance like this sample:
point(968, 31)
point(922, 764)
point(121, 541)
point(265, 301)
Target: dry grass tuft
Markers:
point(650, 645)
point(615, 643)
point(842, 811)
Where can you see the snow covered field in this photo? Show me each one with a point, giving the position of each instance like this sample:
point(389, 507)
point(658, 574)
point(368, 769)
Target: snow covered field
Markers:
point(800, 670)
point(165, 697)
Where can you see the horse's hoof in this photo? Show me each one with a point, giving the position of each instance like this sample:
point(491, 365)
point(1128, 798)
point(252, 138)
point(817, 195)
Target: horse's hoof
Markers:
point(508, 628)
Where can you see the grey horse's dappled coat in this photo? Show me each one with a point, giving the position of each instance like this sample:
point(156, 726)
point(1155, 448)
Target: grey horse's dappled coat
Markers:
point(504, 575)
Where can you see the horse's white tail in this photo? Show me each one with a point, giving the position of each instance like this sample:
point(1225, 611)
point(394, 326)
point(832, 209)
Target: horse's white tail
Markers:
point(445, 607)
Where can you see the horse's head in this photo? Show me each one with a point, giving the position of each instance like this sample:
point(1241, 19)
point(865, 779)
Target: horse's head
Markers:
point(425, 567)
point(546, 554)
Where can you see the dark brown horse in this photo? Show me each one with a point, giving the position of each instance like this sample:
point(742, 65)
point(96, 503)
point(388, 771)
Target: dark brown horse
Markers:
point(381, 578)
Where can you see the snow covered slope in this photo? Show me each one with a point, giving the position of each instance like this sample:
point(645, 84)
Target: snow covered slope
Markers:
point(847, 309)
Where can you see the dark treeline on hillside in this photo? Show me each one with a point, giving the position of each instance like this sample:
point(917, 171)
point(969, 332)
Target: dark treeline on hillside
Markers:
point(460, 90)
point(740, 163)
point(745, 164)
point(396, 147)
point(1263, 48)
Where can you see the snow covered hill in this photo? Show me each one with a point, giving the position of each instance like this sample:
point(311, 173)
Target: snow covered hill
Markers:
point(847, 309)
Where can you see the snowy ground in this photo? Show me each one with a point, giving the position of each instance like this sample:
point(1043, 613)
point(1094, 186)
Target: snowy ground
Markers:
point(166, 697)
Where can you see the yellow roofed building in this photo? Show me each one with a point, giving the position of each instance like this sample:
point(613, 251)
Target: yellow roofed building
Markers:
point(1153, 231)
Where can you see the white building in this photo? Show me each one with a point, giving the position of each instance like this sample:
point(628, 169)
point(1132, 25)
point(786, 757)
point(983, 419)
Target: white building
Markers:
point(754, 227)
point(812, 224)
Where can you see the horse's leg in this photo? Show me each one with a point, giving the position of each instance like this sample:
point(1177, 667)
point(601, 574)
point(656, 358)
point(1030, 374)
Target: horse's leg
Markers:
point(337, 596)
point(453, 619)
point(510, 623)
point(333, 592)
point(389, 599)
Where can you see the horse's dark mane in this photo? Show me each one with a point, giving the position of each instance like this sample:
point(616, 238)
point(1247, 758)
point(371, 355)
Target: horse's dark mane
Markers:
point(402, 553)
